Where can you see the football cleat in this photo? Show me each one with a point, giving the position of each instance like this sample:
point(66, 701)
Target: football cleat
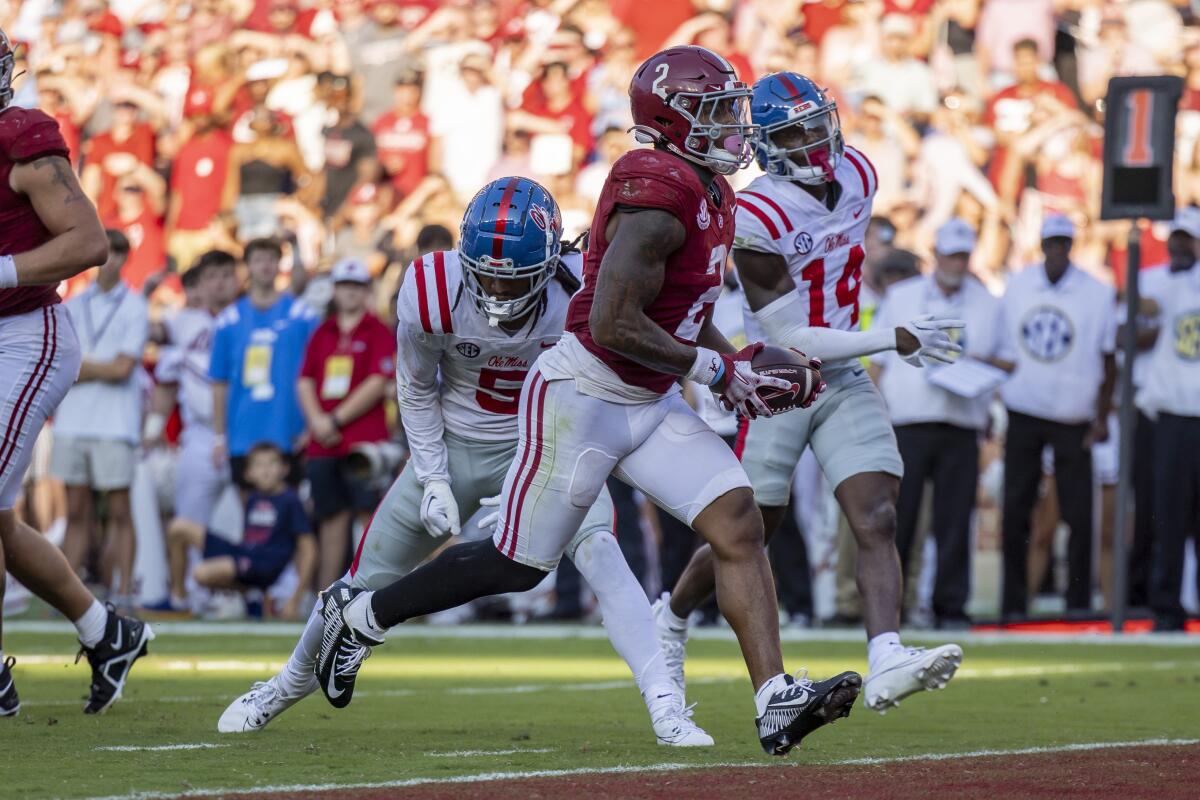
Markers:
point(797, 706)
point(343, 649)
point(672, 641)
point(263, 703)
point(124, 642)
point(10, 704)
point(910, 670)
point(673, 724)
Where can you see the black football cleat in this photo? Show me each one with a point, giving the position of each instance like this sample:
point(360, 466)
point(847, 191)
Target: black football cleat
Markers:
point(10, 704)
point(124, 642)
point(802, 706)
point(343, 649)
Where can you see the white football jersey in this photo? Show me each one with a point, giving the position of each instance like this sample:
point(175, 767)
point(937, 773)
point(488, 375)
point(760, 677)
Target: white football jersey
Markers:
point(185, 362)
point(823, 248)
point(454, 371)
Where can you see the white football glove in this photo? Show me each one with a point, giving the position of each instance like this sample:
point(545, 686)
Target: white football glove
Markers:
point(935, 343)
point(742, 383)
point(489, 521)
point(439, 510)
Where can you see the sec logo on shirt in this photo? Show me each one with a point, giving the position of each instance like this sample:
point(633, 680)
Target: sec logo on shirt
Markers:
point(1187, 335)
point(1047, 334)
point(468, 349)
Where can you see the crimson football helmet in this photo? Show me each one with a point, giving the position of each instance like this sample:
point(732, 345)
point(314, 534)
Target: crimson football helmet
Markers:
point(8, 63)
point(689, 100)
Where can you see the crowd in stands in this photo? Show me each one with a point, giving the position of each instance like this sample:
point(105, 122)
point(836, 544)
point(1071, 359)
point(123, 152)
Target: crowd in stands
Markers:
point(300, 153)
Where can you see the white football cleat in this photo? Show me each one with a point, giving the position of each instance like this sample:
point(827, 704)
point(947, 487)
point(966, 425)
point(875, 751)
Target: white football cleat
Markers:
point(257, 707)
point(673, 725)
point(910, 670)
point(672, 641)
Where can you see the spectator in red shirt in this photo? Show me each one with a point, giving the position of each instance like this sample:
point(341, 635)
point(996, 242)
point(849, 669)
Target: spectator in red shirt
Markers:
point(403, 143)
point(197, 181)
point(348, 368)
point(552, 106)
point(140, 198)
point(107, 155)
point(1011, 112)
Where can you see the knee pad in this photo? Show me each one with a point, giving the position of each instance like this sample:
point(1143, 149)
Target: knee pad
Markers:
point(592, 469)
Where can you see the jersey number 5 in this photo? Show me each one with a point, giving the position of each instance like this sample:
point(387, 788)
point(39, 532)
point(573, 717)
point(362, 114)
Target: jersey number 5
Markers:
point(498, 399)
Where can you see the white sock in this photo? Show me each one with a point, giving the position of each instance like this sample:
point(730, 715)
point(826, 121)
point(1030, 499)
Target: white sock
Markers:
point(626, 612)
point(296, 679)
point(361, 616)
point(1, 655)
point(91, 625)
point(881, 647)
point(763, 695)
point(669, 619)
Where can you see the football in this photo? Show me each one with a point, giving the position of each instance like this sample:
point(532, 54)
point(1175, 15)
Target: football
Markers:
point(791, 366)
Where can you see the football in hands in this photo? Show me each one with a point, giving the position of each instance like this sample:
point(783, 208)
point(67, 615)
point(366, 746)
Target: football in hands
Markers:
point(802, 372)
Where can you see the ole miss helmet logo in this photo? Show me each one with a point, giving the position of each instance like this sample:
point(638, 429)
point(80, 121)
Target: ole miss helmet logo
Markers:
point(538, 215)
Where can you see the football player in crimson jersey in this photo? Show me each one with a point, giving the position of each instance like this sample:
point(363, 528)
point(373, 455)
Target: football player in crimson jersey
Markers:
point(469, 328)
point(49, 232)
point(605, 399)
point(799, 254)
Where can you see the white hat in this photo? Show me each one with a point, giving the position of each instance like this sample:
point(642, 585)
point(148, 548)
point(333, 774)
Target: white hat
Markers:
point(267, 69)
point(897, 25)
point(1056, 225)
point(351, 270)
point(955, 236)
point(1187, 220)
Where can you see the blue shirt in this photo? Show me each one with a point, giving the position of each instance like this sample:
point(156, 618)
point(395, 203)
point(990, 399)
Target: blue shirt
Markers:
point(258, 353)
point(274, 523)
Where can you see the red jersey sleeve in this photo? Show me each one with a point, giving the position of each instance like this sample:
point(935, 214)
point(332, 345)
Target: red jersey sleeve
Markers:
point(646, 179)
point(27, 133)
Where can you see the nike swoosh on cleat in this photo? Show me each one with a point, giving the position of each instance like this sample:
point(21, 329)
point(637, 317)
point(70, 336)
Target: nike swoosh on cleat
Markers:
point(116, 643)
point(331, 690)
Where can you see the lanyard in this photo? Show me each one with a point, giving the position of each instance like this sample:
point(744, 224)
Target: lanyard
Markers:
point(94, 336)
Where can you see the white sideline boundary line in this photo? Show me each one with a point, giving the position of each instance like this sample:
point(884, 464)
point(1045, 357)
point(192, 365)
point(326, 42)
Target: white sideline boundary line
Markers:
point(554, 631)
point(486, 777)
point(138, 748)
point(509, 752)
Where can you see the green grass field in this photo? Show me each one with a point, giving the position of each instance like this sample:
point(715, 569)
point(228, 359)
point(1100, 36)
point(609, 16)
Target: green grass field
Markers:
point(553, 703)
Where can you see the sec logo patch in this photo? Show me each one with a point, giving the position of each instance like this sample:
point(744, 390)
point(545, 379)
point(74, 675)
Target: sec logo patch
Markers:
point(804, 243)
point(1187, 335)
point(1047, 334)
point(468, 349)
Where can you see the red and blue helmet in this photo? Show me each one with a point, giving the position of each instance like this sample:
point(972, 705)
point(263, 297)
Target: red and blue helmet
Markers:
point(511, 231)
point(799, 132)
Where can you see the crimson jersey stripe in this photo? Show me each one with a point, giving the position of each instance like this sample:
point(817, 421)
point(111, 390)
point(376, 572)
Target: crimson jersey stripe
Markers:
point(762, 217)
point(439, 269)
point(533, 467)
point(10, 436)
point(870, 166)
point(422, 298)
point(53, 325)
point(502, 218)
point(787, 223)
point(862, 173)
point(739, 444)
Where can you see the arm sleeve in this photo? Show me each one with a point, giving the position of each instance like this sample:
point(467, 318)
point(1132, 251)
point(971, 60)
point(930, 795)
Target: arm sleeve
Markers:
point(1108, 336)
point(420, 354)
point(1006, 346)
point(782, 321)
point(641, 179)
point(33, 134)
point(883, 321)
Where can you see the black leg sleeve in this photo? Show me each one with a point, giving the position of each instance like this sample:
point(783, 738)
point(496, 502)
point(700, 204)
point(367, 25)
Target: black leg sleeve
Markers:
point(458, 575)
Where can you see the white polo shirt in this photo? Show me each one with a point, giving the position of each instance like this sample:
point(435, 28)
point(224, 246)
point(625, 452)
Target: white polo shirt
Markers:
point(1172, 380)
point(108, 324)
point(1058, 335)
point(910, 397)
point(1152, 282)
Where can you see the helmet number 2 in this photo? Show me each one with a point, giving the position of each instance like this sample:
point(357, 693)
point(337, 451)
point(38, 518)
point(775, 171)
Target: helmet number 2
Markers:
point(662, 69)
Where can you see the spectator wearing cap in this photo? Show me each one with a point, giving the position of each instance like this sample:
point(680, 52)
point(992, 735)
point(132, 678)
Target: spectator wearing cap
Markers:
point(1060, 331)
point(1170, 393)
point(348, 368)
point(403, 142)
point(349, 149)
point(1183, 245)
point(140, 198)
point(258, 348)
point(938, 431)
point(98, 424)
point(117, 151)
point(904, 83)
point(198, 176)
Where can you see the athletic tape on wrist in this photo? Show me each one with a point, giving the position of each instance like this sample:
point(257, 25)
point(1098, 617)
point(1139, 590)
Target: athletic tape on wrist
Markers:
point(707, 368)
point(8, 272)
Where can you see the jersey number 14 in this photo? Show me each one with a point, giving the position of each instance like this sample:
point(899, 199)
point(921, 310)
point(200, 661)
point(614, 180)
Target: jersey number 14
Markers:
point(846, 291)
